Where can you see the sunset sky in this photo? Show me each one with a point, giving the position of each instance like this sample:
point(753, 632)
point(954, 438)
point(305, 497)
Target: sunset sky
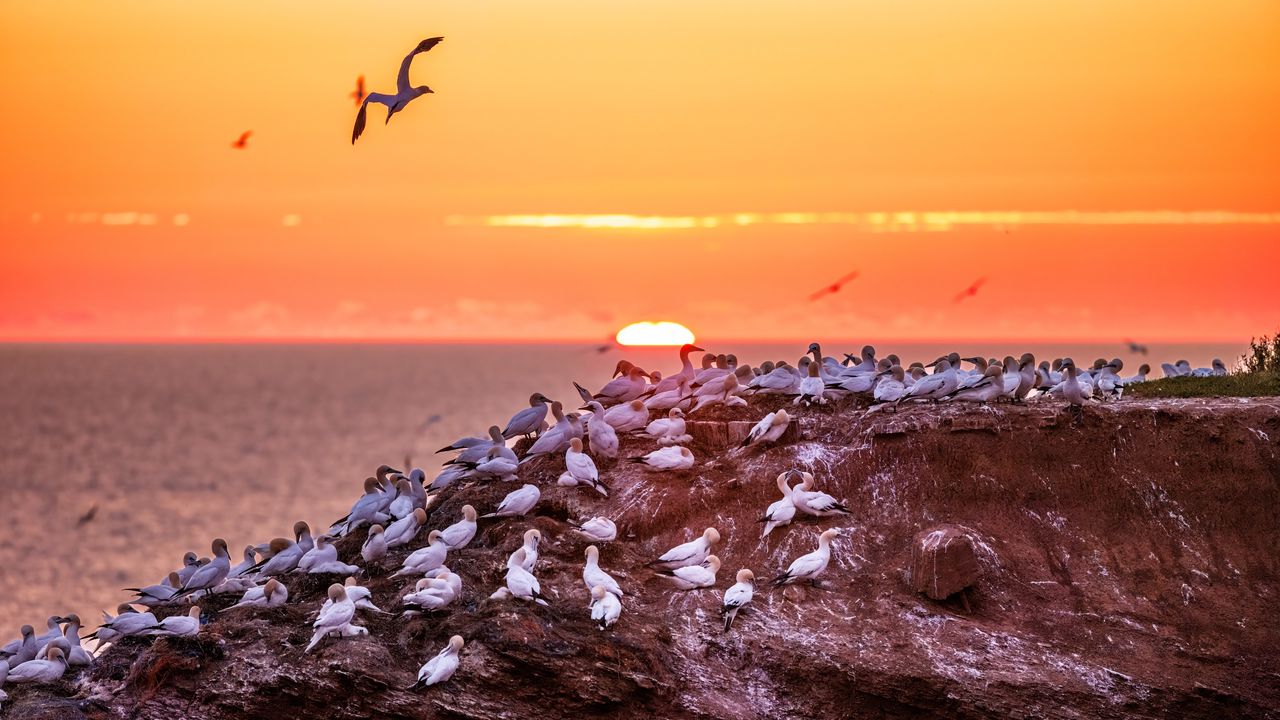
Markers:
point(1111, 168)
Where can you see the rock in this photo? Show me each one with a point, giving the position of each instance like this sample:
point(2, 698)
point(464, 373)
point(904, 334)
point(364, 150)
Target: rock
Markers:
point(942, 561)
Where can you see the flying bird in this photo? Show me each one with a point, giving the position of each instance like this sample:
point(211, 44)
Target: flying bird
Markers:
point(242, 142)
point(1136, 347)
point(88, 517)
point(404, 92)
point(834, 287)
point(971, 290)
point(359, 93)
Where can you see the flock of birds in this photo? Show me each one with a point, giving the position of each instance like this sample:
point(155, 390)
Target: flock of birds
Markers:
point(635, 403)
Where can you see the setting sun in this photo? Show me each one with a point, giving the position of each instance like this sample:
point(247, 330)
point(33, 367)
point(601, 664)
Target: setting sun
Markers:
point(655, 333)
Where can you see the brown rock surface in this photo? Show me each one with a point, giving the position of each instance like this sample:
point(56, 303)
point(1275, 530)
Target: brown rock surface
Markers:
point(1130, 565)
point(943, 561)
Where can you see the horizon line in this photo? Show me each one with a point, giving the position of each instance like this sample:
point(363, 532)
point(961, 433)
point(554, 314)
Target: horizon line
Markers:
point(595, 342)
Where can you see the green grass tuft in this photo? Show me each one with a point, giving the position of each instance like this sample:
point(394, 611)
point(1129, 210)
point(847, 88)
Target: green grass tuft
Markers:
point(1237, 385)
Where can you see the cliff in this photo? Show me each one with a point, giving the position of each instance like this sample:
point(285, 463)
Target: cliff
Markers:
point(1129, 562)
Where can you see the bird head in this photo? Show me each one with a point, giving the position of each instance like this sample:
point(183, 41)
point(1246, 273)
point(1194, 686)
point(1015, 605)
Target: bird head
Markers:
point(423, 90)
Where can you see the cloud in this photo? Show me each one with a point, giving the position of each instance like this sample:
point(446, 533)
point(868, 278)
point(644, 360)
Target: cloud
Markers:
point(264, 318)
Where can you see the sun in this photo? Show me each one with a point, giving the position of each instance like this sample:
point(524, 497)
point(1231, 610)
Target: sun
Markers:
point(662, 332)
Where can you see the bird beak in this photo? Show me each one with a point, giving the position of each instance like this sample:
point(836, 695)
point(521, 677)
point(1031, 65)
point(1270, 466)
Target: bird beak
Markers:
point(698, 349)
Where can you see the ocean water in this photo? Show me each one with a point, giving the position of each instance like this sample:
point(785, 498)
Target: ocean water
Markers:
point(177, 444)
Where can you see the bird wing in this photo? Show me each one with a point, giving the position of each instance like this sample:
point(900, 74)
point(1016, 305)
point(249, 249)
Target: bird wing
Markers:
point(737, 596)
point(402, 79)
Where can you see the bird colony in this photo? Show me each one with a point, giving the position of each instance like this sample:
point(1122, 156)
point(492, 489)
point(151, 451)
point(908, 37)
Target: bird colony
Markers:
point(636, 410)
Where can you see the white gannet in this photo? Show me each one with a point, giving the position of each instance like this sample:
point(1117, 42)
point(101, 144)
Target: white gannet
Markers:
point(375, 545)
point(780, 512)
point(333, 618)
point(159, 594)
point(737, 596)
point(480, 452)
point(23, 649)
point(725, 390)
point(333, 566)
point(401, 532)
point(284, 554)
point(603, 436)
point(178, 625)
point(679, 396)
point(127, 623)
point(367, 510)
point(693, 577)
point(425, 558)
point(532, 537)
point(552, 441)
point(892, 386)
point(49, 668)
point(627, 416)
point(429, 595)
point(211, 575)
point(460, 533)
point(323, 551)
point(497, 464)
point(69, 642)
point(404, 501)
point(1140, 377)
point(520, 582)
point(593, 576)
point(683, 377)
point(690, 553)
point(442, 666)
point(360, 596)
point(529, 421)
point(272, 594)
point(810, 566)
point(1076, 392)
point(815, 502)
point(781, 380)
point(1219, 369)
point(405, 93)
point(190, 563)
point(581, 468)
point(605, 607)
point(449, 475)
point(935, 386)
point(812, 388)
point(673, 458)
point(242, 567)
point(669, 430)
point(986, 389)
point(1026, 376)
point(597, 529)
point(518, 501)
point(768, 430)
point(621, 390)
point(1108, 381)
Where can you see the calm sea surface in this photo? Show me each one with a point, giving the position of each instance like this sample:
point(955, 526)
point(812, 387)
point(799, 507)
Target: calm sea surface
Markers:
point(175, 445)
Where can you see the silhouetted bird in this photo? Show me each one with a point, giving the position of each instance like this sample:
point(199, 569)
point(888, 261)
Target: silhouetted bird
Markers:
point(243, 141)
point(88, 516)
point(1135, 347)
point(404, 93)
point(971, 290)
point(358, 94)
point(834, 287)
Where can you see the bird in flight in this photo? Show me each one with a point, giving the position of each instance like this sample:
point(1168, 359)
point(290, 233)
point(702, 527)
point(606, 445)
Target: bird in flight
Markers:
point(359, 93)
point(971, 290)
point(242, 142)
point(1136, 347)
point(404, 92)
point(834, 287)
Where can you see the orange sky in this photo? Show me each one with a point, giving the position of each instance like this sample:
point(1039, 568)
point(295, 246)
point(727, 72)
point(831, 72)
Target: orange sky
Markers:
point(125, 214)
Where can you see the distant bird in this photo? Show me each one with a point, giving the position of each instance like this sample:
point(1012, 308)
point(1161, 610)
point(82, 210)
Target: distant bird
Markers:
point(1136, 347)
point(971, 290)
point(404, 92)
point(442, 666)
point(242, 142)
point(834, 287)
point(358, 94)
point(88, 517)
point(737, 596)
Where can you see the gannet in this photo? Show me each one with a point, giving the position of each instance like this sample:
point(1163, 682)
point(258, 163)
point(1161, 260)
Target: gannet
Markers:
point(621, 390)
point(360, 596)
point(242, 567)
point(593, 576)
point(404, 501)
point(480, 452)
point(603, 436)
point(737, 596)
point(324, 559)
point(425, 558)
point(605, 607)
point(693, 577)
point(1140, 377)
point(597, 529)
point(442, 666)
point(1219, 369)
point(1073, 390)
point(127, 623)
point(334, 617)
point(683, 377)
point(669, 430)
point(520, 582)
point(580, 467)
point(375, 545)
point(405, 93)
point(712, 366)
point(780, 512)
point(721, 391)
point(401, 532)
point(812, 388)
point(497, 464)
point(47, 669)
point(690, 553)
point(518, 501)
point(810, 566)
point(628, 416)
point(429, 595)
point(190, 563)
point(532, 537)
point(781, 380)
point(666, 459)
point(211, 575)
point(679, 396)
point(178, 625)
point(159, 594)
point(768, 430)
point(464, 443)
point(553, 441)
point(272, 594)
point(1108, 380)
point(985, 390)
point(367, 510)
point(814, 502)
point(460, 533)
point(1026, 376)
point(932, 387)
point(285, 554)
point(23, 649)
point(529, 421)
point(69, 642)
point(892, 386)
point(449, 475)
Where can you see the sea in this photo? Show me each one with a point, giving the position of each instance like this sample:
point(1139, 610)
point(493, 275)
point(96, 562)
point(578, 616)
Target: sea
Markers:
point(117, 459)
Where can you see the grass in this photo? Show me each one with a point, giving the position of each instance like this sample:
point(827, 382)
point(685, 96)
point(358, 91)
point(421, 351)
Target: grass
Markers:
point(1257, 375)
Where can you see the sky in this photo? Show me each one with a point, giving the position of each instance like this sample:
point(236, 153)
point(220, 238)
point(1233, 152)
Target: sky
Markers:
point(1107, 168)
